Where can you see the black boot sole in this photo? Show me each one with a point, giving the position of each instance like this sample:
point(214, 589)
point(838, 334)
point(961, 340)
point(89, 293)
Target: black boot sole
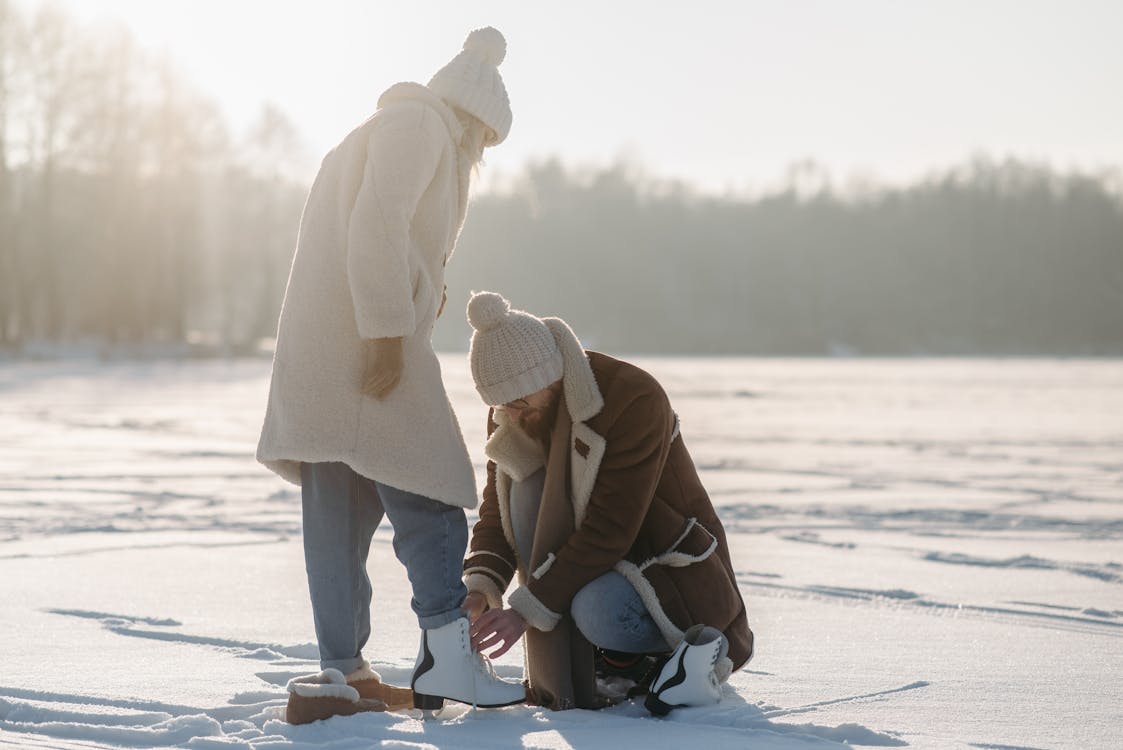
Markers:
point(656, 706)
point(437, 702)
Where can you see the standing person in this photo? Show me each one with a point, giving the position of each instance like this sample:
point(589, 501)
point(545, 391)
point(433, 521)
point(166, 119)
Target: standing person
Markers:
point(594, 503)
point(357, 414)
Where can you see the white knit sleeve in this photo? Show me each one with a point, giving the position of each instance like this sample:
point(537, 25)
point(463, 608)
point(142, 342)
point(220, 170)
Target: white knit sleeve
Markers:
point(402, 157)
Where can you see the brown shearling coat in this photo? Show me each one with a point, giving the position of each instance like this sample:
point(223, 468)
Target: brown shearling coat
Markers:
point(622, 493)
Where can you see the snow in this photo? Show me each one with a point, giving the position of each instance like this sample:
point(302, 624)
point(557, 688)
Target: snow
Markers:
point(930, 551)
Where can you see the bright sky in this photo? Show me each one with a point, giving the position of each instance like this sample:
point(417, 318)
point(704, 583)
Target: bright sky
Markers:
point(723, 94)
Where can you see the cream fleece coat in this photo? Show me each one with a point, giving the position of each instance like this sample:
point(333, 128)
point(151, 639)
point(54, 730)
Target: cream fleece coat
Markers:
point(380, 223)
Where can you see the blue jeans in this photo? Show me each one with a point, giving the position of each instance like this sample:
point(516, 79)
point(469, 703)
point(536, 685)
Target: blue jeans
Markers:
point(341, 511)
point(610, 614)
point(608, 610)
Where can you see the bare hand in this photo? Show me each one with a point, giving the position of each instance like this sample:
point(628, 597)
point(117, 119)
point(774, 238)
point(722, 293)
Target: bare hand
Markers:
point(497, 629)
point(384, 366)
point(475, 604)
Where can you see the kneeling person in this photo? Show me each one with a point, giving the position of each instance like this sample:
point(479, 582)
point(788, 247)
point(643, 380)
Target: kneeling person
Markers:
point(594, 504)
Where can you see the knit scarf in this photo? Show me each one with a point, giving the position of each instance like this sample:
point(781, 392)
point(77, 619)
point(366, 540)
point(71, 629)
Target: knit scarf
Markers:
point(559, 663)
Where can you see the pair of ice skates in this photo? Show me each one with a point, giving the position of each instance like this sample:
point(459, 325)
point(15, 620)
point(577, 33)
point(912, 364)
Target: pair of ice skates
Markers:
point(448, 669)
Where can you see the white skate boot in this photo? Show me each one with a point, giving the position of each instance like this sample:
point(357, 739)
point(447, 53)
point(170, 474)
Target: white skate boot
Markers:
point(688, 677)
point(447, 668)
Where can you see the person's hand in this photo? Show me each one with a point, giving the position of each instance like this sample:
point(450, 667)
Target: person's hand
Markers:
point(497, 629)
point(383, 366)
point(475, 604)
point(444, 299)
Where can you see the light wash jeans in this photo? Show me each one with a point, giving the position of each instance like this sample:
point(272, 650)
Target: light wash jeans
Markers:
point(341, 511)
point(608, 611)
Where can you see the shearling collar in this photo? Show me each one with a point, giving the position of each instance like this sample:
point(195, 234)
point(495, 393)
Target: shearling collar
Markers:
point(582, 394)
point(408, 91)
point(516, 453)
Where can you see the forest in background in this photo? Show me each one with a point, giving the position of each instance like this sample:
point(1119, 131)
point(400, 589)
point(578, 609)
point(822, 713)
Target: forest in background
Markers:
point(130, 215)
point(133, 218)
point(987, 258)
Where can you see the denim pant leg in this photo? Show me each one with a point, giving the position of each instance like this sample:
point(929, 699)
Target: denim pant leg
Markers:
point(341, 512)
point(430, 539)
point(610, 614)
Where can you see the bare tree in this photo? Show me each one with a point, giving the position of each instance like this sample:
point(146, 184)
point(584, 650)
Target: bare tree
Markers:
point(113, 152)
point(185, 134)
point(273, 146)
point(53, 51)
point(8, 266)
point(128, 215)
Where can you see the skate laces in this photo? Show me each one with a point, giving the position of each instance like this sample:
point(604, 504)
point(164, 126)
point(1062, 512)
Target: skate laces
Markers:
point(479, 663)
point(485, 665)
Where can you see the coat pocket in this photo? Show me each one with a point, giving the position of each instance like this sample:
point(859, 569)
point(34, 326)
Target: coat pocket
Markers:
point(700, 591)
point(694, 544)
point(687, 583)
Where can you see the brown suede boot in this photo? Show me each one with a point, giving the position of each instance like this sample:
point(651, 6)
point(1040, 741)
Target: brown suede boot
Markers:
point(327, 694)
point(370, 685)
point(396, 698)
point(304, 710)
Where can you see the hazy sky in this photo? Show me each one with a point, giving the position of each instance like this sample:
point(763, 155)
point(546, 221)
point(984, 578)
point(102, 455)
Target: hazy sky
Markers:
point(723, 94)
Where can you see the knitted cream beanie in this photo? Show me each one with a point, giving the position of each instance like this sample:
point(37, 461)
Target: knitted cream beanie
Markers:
point(471, 81)
point(513, 353)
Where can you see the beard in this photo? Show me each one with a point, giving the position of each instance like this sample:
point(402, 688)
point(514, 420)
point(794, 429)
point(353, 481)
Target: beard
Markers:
point(539, 423)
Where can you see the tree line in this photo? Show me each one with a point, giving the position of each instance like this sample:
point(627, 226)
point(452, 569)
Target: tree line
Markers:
point(990, 257)
point(132, 216)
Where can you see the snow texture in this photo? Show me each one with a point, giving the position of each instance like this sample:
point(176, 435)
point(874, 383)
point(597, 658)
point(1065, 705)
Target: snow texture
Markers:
point(930, 551)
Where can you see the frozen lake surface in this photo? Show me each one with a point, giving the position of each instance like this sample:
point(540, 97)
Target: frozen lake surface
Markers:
point(931, 552)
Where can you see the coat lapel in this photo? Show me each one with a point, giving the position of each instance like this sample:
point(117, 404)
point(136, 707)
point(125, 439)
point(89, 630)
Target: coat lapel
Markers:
point(503, 495)
point(586, 451)
point(517, 456)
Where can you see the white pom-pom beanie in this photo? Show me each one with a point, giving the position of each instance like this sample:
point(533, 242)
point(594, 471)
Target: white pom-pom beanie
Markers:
point(513, 353)
point(471, 81)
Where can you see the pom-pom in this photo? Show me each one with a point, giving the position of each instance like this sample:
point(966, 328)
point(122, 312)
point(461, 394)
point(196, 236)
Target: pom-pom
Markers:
point(488, 43)
point(487, 310)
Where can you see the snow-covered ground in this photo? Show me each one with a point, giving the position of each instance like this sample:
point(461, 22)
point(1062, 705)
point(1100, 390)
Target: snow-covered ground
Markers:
point(930, 551)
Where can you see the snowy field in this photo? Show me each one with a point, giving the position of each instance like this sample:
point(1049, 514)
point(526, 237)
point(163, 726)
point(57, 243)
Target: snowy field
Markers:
point(931, 552)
